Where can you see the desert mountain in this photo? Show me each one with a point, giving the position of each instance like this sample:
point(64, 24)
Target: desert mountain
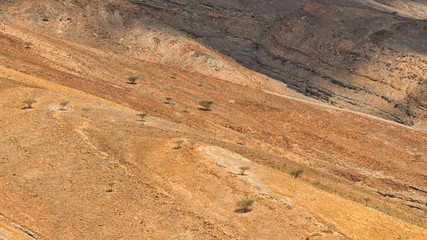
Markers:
point(79, 161)
point(362, 55)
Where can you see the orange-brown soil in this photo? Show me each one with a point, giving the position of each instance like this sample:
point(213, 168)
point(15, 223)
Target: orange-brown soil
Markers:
point(364, 177)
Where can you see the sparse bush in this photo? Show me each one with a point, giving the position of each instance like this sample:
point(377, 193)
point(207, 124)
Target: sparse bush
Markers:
point(28, 45)
point(178, 144)
point(45, 18)
point(243, 170)
point(174, 74)
point(244, 205)
point(63, 104)
point(244, 137)
point(186, 107)
point(206, 104)
point(168, 100)
point(29, 103)
point(201, 82)
point(132, 79)
point(316, 183)
point(296, 173)
point(192, 144)
point(142, 116)
point(417, 156)
point(111, 184)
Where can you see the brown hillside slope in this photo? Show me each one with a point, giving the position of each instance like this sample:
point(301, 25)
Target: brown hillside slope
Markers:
point(55, 181)
point(363, 55)
point(363, 178)
point(104, 25)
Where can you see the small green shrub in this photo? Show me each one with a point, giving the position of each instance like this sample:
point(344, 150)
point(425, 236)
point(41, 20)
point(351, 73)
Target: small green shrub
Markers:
point(244, 205)
point(244, 138)
point(29, 103)
point(178, 144)
point(316, 183)
point(142, 116)
point(111, 184)
point(243, 170)
point(186, 107)
point(192, 144)
point(206, 104)
point(201, 82)
point(132, 79)
point(168, 100)
point(296, 173)
point(63, 104)
point(28, 45)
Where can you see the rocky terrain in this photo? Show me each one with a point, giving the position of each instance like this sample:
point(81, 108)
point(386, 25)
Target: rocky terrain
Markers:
point(81, 164)
point(352, 54)
point(362, 55)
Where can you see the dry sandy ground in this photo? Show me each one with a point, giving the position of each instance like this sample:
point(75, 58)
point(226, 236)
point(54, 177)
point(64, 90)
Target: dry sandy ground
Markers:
point(363, 178)
point(62, 174)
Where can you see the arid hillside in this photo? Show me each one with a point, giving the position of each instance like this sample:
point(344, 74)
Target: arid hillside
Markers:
point(363, 55)
point(79, 161)
point(354, 54)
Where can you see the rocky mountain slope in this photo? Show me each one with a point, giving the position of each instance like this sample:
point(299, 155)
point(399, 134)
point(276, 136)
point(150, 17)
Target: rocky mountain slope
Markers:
point(352, 54)
point(361, 55)
point(118, 27)
point(80, 164)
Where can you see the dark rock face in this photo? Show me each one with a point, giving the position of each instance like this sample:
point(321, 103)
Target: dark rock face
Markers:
point(345, 53)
